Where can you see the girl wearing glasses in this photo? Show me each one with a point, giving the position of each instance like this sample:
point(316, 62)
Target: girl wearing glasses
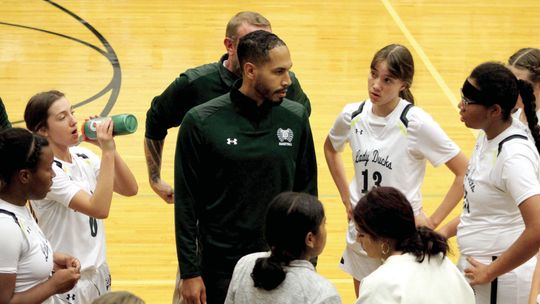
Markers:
point(498, 228)
point(391, 141)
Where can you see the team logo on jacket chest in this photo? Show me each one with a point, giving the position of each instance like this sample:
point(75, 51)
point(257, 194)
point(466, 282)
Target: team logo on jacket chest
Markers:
point(285, 137)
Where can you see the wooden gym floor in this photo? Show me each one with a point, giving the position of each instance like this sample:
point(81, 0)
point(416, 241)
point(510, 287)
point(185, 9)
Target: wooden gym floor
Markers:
point(114, 56)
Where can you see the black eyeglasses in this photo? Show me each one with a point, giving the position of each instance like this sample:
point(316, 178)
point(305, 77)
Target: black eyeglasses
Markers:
point(466, 101)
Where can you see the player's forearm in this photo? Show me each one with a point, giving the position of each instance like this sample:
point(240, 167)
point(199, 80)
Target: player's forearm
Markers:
point(458, 165)
point(337, 170)
point(124, 180)
point(524, 248)
point(450, 229)
point(452, 198)
point(102, 196)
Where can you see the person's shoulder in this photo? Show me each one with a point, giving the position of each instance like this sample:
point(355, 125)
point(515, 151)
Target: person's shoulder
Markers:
point(81, 152)
point(387, 271)
point(413, 112)
point(9, 226)
point(255, 255)
point(417, 119)
point(205, 110)
point(202, 71)
point(294, 108)
point(251, 258)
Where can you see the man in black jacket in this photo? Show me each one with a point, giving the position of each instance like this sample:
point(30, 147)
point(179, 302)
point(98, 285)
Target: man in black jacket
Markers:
point(234, 154)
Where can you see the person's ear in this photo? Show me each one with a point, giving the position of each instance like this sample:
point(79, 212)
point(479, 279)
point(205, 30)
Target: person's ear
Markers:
point(249, 70)
point(404, 86)
point(496, 110)
point(24, 176)
point(229, 45)
point(43, 131)
point(310, 240)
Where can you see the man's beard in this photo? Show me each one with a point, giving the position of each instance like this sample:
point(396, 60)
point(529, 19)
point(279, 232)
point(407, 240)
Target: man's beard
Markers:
point(266, 93)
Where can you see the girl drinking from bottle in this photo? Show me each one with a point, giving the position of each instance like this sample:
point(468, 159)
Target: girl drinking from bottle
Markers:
point(72, 213)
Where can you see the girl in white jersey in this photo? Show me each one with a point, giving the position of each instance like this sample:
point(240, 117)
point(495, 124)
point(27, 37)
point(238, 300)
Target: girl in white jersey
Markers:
point(26, 257)
point(525, 64)
point(498, 229)
point(72, 213)
point(391, 141)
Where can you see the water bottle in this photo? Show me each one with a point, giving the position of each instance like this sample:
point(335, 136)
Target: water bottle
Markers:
point(123, 124)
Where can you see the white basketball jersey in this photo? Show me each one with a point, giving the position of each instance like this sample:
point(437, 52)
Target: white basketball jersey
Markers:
point(502, 173)
point(25, 250)
point(70, 231)
point(391, 151)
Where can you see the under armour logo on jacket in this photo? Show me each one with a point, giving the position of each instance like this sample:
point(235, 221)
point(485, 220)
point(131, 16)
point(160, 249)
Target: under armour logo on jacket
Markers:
point(232, 141)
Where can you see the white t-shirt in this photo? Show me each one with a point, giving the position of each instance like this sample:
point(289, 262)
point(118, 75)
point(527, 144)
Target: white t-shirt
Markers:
point(69, 231)
point(401, 279)
point(495, 185)
point(24, 250)
point(301, 285)
point(387, 153)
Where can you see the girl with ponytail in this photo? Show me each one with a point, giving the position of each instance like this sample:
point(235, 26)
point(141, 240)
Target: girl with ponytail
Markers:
point(415, 267)
point(525, 64)
point(391, 141)
point(295, 231)
point(497, 231)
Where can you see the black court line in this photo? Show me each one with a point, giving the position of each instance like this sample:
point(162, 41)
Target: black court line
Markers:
point(109, 53)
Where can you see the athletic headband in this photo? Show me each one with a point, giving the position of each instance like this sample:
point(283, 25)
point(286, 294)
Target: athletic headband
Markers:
point(473, 95)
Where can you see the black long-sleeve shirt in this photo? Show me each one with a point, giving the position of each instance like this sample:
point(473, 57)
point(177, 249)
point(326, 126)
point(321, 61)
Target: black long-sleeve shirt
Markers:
point(232, 158)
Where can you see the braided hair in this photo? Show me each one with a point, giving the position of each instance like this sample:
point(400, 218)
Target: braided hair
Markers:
point(527, 59)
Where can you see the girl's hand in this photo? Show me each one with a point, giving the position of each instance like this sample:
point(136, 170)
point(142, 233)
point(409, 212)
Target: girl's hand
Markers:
point(477, 273)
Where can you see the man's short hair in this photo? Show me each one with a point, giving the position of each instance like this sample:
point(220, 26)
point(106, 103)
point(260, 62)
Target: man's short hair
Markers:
point(255, 46)
point(251, 18)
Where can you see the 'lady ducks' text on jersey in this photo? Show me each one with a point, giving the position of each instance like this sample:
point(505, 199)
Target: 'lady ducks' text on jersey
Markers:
point(391, 150)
